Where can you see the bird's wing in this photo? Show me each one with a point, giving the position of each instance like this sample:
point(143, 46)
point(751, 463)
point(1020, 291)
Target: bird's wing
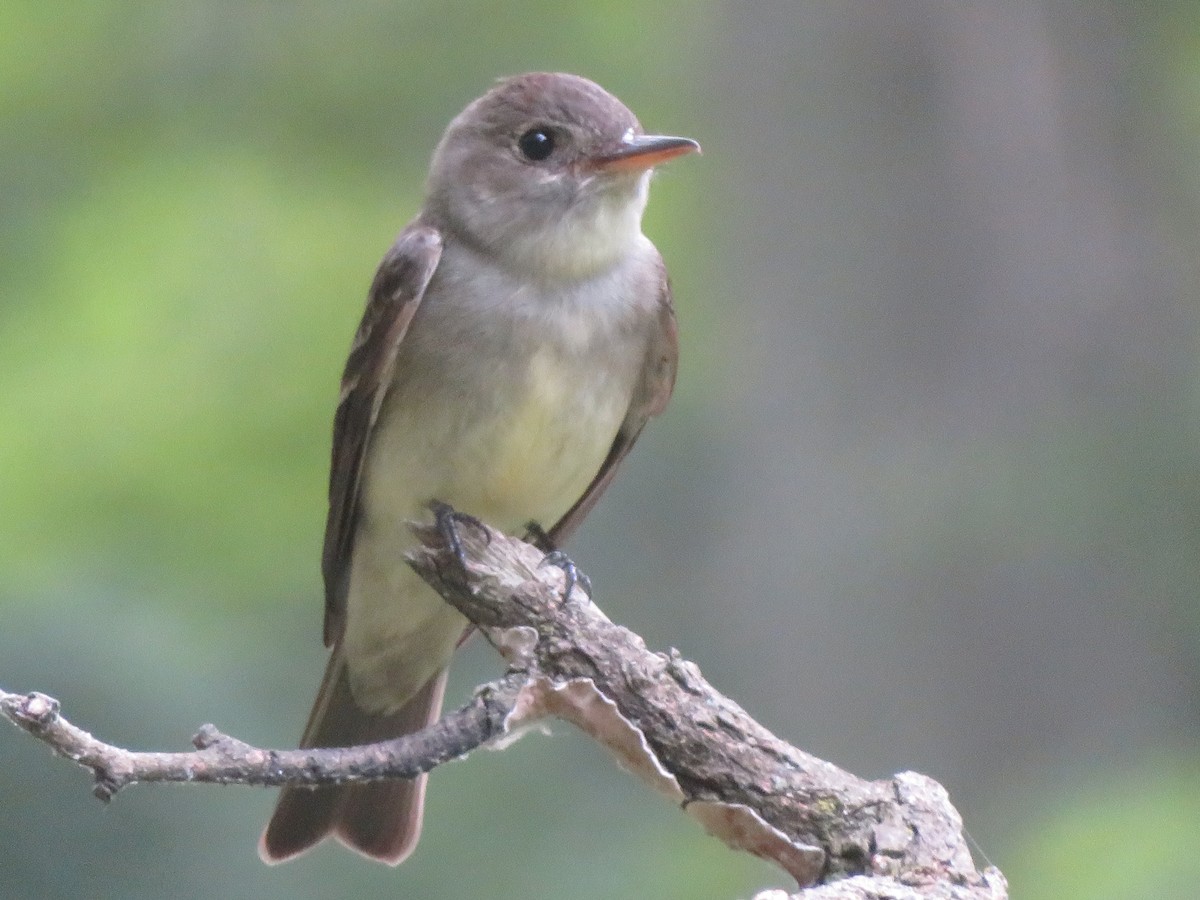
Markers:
point(650, 397)
point(395, 294)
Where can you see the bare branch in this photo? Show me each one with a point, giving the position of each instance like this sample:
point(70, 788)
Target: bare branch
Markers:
point(665, 723)
point(898, 838)
point(221, 759)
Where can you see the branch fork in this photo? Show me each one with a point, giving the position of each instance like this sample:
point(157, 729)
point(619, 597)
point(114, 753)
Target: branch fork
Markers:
point(837, 835)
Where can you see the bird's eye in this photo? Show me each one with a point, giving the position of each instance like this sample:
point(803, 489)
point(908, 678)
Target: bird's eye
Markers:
point(536, 144)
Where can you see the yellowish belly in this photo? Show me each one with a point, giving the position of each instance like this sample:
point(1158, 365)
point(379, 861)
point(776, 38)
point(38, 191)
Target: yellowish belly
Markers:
point(529, 459)
point(539, 456)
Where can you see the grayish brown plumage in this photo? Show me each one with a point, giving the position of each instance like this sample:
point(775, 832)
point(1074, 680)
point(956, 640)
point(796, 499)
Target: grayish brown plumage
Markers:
point(517, 337)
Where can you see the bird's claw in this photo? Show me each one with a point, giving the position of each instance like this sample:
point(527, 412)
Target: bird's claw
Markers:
point(571, 572)
point(448, 519)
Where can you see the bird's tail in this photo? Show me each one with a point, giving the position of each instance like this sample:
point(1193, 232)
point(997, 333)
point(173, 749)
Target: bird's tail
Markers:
point(381, 820)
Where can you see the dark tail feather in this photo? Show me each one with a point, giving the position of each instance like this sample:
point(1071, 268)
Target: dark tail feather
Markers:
point(381, 820)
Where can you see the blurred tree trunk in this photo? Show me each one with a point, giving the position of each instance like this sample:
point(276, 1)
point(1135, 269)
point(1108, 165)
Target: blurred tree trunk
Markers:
point(965, 406)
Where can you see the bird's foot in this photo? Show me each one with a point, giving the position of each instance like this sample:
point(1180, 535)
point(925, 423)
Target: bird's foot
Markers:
point(574, 577)
point(448, 520)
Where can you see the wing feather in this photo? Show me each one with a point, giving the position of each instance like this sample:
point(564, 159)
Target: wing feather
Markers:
point(395, 294)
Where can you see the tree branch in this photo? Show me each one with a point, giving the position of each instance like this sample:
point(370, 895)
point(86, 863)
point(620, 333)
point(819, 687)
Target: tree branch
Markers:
point(221, 759)
point(848, 838)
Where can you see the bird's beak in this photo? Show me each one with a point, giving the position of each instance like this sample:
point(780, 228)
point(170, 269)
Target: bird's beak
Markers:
point(638, 152)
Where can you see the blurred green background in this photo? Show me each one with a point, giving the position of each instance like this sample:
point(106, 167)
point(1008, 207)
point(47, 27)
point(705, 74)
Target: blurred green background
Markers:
point(928, 496)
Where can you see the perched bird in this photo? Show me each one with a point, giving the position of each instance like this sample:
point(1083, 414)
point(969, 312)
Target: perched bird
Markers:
point(517, 336)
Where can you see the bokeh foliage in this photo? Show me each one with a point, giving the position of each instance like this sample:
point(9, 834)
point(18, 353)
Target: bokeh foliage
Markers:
point(193, 197)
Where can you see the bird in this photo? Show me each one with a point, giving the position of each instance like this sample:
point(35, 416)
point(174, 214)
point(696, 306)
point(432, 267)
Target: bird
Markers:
point(517, 337)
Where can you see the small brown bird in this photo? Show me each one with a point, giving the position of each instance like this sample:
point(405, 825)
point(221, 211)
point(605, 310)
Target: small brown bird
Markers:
point(517, 337)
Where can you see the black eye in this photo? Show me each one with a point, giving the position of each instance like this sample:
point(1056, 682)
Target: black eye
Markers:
point(536, 144)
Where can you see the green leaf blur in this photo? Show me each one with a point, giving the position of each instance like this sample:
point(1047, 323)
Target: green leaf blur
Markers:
point(925, 497)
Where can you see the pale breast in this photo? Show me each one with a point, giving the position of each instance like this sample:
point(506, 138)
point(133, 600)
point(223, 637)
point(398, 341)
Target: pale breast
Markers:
point(507, 404)
point(542, 449)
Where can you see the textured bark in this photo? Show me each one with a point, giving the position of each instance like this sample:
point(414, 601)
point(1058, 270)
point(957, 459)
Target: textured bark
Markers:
point(845, 837)
point(221, 759)
point(665, 723)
